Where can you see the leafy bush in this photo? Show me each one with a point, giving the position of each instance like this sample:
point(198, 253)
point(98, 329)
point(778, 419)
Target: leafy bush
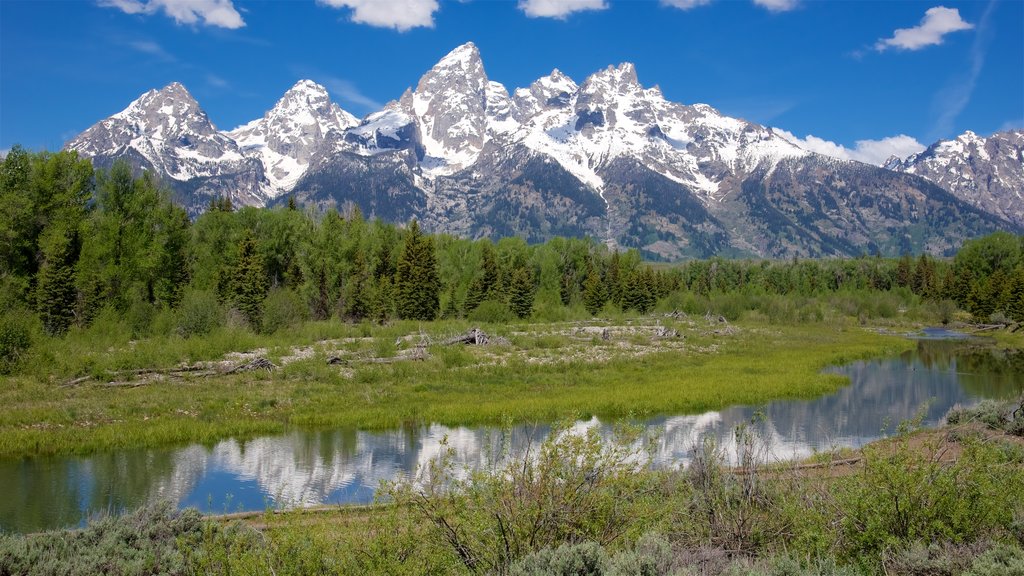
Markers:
point(492, 312)
point(282, 309)
point(586, 559)
point(199, 313)
point(16, 328)
point(1000, 560)
point(574, 488)
point(148, 541)
point(906, 494)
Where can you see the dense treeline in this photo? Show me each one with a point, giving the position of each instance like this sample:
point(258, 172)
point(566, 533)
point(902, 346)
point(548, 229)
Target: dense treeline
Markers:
point(75, 243)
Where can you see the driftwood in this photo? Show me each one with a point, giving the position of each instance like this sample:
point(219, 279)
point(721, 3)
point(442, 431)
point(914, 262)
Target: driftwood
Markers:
point(476, 337)
point(120, 375)
point(259, 363)
point(666, 332)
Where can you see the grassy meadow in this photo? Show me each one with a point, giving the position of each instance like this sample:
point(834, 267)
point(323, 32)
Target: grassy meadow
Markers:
point(85, 393)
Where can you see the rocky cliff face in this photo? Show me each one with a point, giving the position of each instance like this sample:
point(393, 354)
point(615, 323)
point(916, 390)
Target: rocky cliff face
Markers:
point(607, 158)
point(987, 173)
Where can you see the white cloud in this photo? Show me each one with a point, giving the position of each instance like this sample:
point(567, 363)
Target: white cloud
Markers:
point(151, 48)
point(402, 15)
point(937, 22)
point(220, 13)
point(558, 8)
point(951, 100)
point(685, 4)
point(216, 81)
point(348, 93)
point(867, 151)
point(778, 5)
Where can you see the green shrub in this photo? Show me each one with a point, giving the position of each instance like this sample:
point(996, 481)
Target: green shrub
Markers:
point(492, 312)
point(650, 556)
point(1000, 560)
point(16, 329)
point(586, 559)
point(199, 313)
point(283, 308)
point(906, 494)
point(148, 541)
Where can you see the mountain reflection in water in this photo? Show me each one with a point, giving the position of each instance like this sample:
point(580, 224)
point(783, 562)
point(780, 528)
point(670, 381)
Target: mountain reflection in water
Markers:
point(306, 468)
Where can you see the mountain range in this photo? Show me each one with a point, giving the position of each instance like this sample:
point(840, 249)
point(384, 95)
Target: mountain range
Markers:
point(607, 158)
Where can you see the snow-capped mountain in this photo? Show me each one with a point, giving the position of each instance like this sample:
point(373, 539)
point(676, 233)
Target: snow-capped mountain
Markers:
point(607, 158)
point(288, 135)
point(167, 132)
point(985, 172)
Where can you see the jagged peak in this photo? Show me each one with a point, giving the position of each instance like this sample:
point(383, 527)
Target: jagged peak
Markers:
point(463, 56)
point(306, 86)
point(613, 79)
point(170, 100)
point(558, 81)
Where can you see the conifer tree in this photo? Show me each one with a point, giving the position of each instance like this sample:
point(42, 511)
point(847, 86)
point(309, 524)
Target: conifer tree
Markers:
point(904, 272)
point(249, 285)
point(613, 281)
point(521, 292)
point(417, 285)
point(485, 285)
point(55, 289)
point(594, 293)
point(637, 295)
point(358, 300)
point(1015, 299)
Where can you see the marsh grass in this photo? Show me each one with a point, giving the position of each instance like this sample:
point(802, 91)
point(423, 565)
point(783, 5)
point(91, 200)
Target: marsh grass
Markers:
point(704, 370)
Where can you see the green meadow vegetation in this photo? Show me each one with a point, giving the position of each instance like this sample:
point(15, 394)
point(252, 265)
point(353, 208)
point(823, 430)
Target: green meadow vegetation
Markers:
point(123, 324)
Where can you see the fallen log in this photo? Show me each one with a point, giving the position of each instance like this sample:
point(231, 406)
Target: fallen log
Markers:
point(475, 337)
point(259, 363)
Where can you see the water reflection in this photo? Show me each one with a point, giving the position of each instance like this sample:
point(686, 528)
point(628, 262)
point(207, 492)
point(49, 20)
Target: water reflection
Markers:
point(346, 466)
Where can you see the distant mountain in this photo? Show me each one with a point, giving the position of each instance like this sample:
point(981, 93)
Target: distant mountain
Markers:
point(606, 158)
point(987, 173)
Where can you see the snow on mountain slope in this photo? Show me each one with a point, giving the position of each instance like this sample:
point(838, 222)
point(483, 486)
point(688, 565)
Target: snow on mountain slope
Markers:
point(449, 106)
point(985, 172)
point(288, 135)
point(612, 116)
point(167, 128)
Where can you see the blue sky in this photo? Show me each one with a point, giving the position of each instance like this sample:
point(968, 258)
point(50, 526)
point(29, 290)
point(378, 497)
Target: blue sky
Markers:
point(859, 78)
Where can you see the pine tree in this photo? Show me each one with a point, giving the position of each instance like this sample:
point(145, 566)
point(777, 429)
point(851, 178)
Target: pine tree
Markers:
point(55, 290)
point(594, 294)
point(485, 285)
point(637, 293)
point(417, 286)
point(358, 300)
point(613, 280)
point(521, 292)
point(1015, 299)
point(384, 302)
point(903, 272)
point(249, 285)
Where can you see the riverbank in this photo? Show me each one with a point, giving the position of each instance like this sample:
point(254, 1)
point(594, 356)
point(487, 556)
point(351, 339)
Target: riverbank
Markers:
point(153, 393)
point(922, 502)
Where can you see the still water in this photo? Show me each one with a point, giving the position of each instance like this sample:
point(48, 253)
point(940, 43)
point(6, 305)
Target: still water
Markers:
point(305, 468)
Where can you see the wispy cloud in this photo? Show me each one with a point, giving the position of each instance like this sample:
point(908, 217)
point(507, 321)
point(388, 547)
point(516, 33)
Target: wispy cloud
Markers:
point(685, 4)
point(151, 48)
point(778, 5)
point(216, 81)
point(560, 9)
point(402, 15)
point(937, 22)
point(868, 151)
point(348, 93)
point(1017, 124)
point(949, 102)
point(218, 13)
